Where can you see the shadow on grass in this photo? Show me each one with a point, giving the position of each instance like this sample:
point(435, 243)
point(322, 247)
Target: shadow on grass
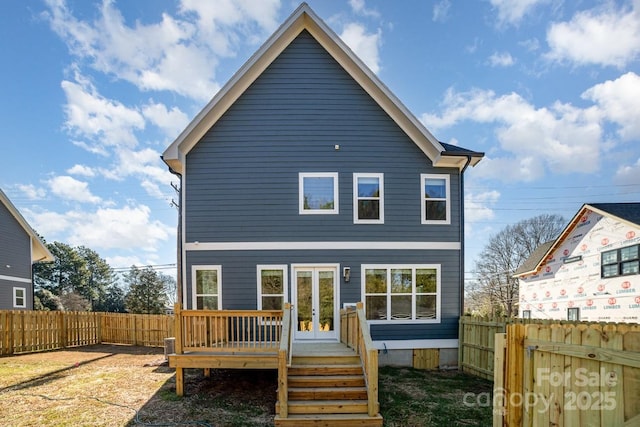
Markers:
point(50, 376)
point(229, 397)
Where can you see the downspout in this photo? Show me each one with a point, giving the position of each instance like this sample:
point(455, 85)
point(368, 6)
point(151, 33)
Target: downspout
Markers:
point(179, 238)
point(462, 234)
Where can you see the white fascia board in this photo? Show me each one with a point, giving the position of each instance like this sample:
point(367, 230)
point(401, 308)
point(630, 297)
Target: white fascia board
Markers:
point(270, 246)
point(39, 251)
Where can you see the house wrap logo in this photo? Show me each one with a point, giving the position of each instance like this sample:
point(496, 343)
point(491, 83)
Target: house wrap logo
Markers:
point(612, 304)
point(626, 288)
point(604, 241)
point(630, 235)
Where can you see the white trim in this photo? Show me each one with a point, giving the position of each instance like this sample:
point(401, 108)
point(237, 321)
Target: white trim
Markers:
point(329, 245)
point(380, 177)
point(15, 297)
point(38, 253)
point(336, 299)
point(413, 267)
point(415, 344)
point(301, 209)
point(194, 268)
point(285, 279)
point(15, 279)
point(425, 176)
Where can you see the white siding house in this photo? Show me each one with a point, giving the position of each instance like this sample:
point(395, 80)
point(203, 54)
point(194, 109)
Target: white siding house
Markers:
point(591, 272)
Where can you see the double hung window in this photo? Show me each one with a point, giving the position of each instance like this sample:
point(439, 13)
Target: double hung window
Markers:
point(272, 286)
point(207, 280)
point(436, 199)
point(19, 297)
point(368, 198)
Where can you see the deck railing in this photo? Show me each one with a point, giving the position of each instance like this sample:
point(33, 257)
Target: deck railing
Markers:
point(354, 332)
point(228, 330)
point(284, 360)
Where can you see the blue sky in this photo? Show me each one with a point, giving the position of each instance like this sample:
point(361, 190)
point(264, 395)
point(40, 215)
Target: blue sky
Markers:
point(92, 92)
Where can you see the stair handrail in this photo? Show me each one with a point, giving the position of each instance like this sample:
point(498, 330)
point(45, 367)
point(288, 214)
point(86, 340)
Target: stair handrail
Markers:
point(284, 360)
point(369, 357)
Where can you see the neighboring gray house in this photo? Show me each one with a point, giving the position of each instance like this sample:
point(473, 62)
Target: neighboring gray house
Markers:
point(306, 180)
point(20, 248)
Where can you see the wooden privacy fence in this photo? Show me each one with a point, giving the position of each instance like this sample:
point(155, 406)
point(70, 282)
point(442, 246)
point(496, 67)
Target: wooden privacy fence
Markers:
point(567, 374)
point(476, 344)
point(33, 331)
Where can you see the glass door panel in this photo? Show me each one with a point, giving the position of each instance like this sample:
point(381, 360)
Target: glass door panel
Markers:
point(304, 300)
point(315, 302)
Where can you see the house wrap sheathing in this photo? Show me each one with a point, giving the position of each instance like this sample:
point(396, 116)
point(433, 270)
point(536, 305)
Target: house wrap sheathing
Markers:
point(590, 273)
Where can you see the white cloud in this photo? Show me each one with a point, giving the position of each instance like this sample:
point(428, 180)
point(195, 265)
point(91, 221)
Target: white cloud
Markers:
point(560, 139)
point(478, 207)
point(170, 121)
point(609, 38)
point(32, 192)
point(127, 228)
point(359, 7)
point(152, 56)
point(512, 11)
point(81, 170)
point(103, 121)
point(69, 188)
point(619, 102)
point(628, 174)
point(503, 59)
point(363, 44)
point(441, 10)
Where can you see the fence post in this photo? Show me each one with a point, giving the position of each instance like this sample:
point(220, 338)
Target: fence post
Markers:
point(8, 333)
point(460, 342)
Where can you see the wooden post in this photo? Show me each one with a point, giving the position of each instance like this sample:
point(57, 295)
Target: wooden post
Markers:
point(498, 380)
point(177, 309)
point(460, 342)
point(179, 382)
point(207, 372)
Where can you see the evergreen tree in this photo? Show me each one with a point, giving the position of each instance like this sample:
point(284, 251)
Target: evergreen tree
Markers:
point(147, 291)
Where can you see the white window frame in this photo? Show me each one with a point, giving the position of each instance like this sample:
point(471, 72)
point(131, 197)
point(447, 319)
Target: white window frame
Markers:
point(285, 279)
point(423, 198)
point(15, 297)
point(380, 198)
point(194, 269)
point(301, 209)
point(413, 267)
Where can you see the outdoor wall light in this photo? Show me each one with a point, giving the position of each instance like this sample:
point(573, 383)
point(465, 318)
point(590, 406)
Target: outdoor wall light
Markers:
point(346, 273)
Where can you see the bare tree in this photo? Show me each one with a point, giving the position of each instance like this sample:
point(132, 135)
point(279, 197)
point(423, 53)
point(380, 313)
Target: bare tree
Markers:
point(494, 291)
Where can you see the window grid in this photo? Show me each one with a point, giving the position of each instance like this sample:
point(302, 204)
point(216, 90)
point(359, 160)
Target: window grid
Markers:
point(391, 295)
point(19, 297)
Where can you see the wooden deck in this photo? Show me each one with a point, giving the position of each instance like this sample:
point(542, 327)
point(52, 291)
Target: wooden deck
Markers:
point(319, 383)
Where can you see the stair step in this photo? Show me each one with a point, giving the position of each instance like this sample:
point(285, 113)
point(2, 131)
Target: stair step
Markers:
point(326, 407)
point(326, 359)
point(352, 369)
point(326, 381)
point(327, 393)
point(329, 420)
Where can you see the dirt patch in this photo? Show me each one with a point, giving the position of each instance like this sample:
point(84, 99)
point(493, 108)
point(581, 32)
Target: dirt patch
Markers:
point(108, 385)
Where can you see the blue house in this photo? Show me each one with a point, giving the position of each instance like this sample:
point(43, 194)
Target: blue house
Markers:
point(20, 248)
point(305, 180)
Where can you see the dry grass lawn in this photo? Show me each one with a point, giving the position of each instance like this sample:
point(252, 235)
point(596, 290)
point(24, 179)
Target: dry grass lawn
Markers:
point(106, 385)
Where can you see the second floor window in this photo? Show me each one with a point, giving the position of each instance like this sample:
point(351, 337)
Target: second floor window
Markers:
point(318, 192)
point(621, 262)
point(368, 198)
point(436, 199)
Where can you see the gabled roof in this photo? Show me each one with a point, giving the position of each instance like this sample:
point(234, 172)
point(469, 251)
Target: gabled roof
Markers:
point(303, 18)
point(39, 251)
point(626, 212)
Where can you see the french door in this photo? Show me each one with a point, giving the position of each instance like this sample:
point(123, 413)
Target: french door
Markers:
point(315, 302)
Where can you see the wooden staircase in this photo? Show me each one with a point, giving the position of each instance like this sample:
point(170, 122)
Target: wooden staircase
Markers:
point(326, 387)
